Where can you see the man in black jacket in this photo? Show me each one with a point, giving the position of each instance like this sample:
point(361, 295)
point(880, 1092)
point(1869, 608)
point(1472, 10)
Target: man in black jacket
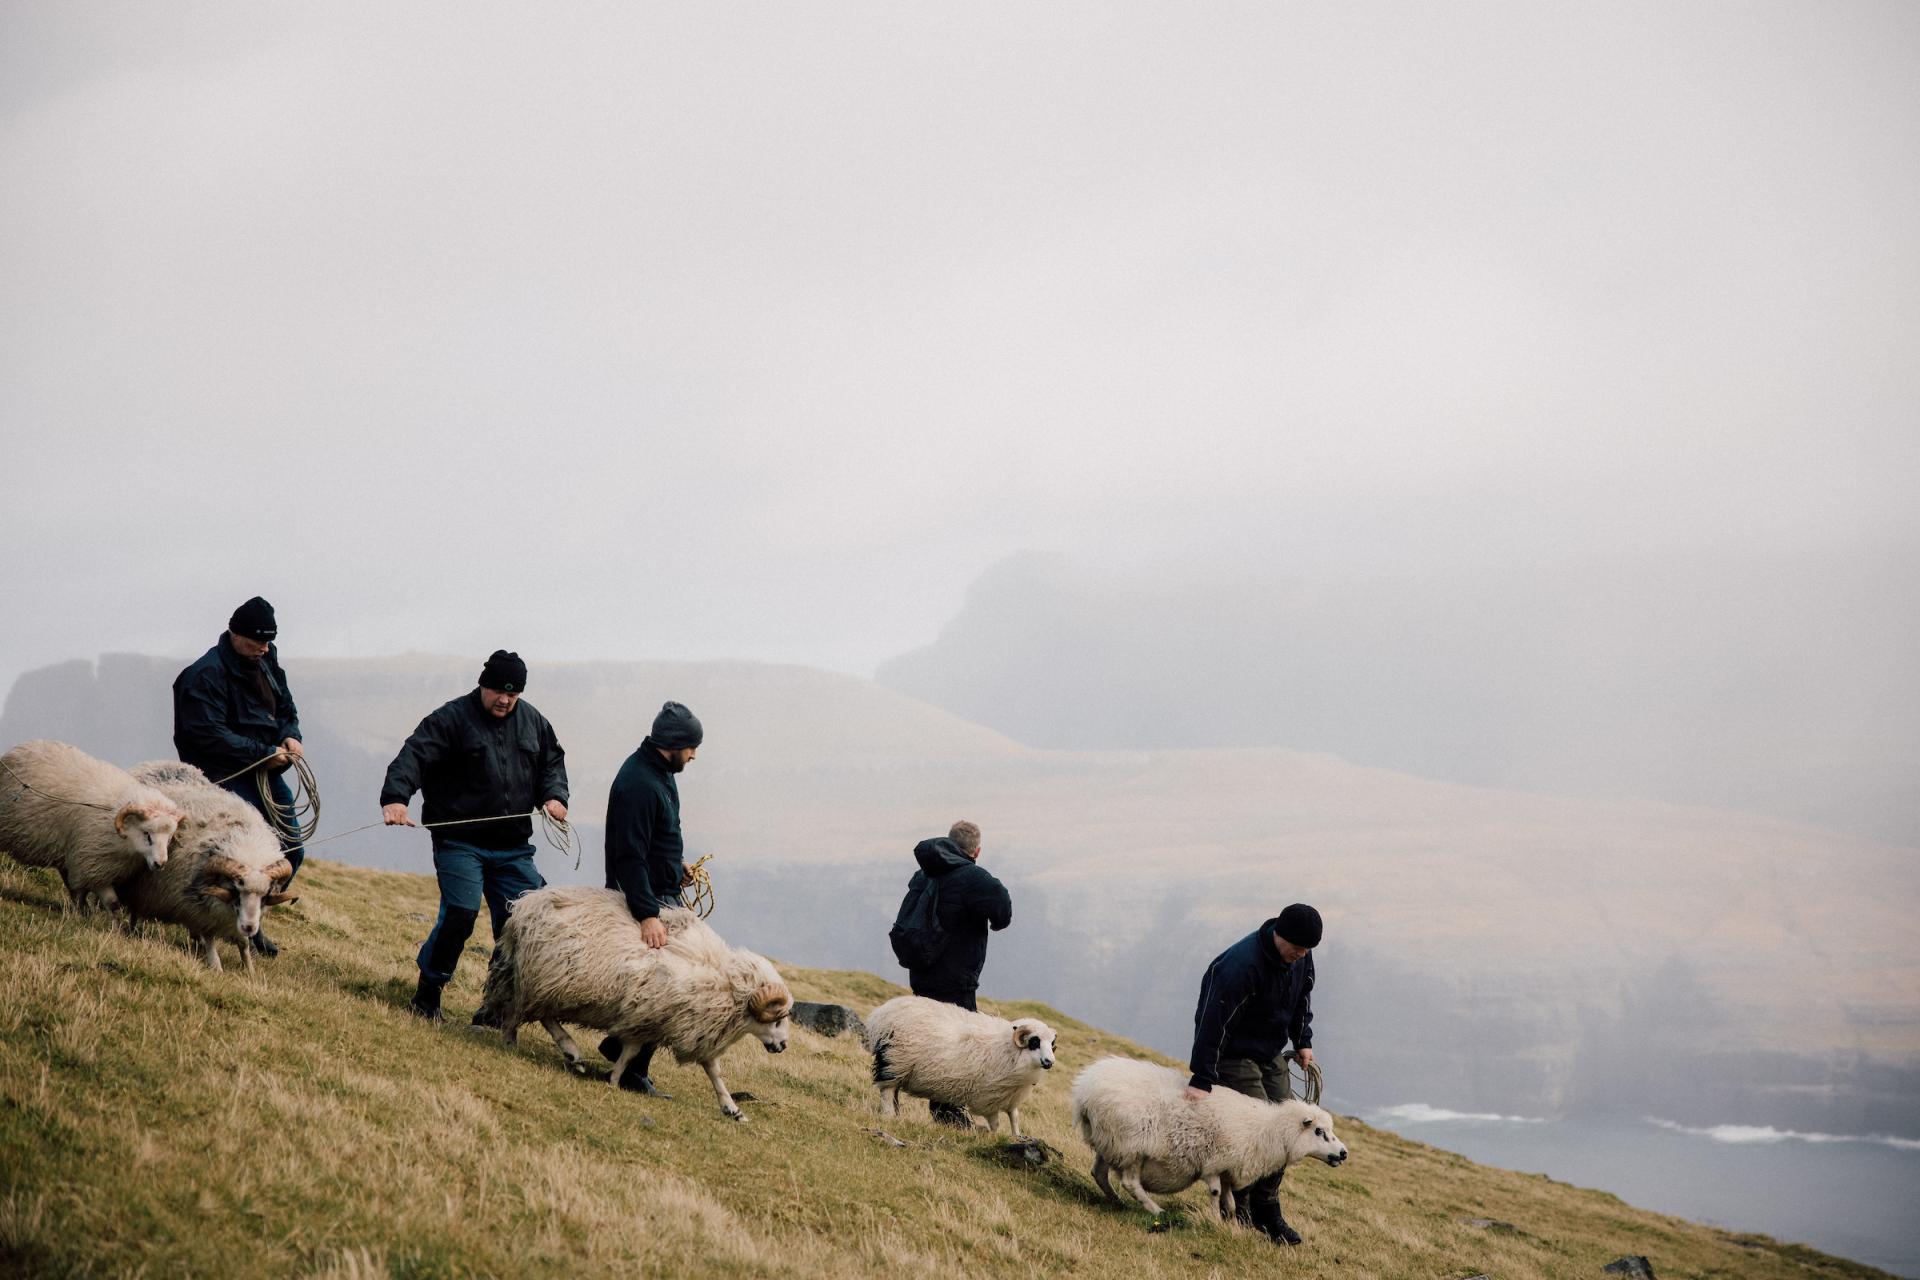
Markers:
point(646, 854)
point(231, 710)
point(971, 901)
point(1257, 995)
point(484, 755)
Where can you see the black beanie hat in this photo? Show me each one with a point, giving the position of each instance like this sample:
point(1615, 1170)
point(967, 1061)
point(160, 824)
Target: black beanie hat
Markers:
point(254, 620)
point(504, 671)
point(1300, 925)
point(675, 727)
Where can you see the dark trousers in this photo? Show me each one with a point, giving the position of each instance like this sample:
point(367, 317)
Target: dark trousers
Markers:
point(1268, 1082)
point(247, 789)
point(468, 874)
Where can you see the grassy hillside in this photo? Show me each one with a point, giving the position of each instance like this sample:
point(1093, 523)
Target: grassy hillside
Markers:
point(159, 1120)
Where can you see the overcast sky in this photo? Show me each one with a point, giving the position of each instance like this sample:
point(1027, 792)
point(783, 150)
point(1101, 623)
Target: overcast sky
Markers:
point(762, 330)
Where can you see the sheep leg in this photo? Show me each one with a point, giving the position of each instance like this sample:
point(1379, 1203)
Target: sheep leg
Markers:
point(568, 1049)
point(890, 1099)
point(993, 1122)
point(1222, 1195)
point(1013, 1121)
point(209, 953)
point(1100, 1168)
point(246, 954)
point(629, 1050)
point(1130, 1179)
point(728, 1107)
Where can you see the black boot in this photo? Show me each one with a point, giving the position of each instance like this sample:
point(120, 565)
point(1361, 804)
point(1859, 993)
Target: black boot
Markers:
point(949, 1114)
point(637, 1077)
point(426, 1001)
point(1268, 1218)
point(264, 945)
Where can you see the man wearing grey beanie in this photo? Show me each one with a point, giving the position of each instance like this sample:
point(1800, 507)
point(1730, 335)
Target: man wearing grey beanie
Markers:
point(646, 854)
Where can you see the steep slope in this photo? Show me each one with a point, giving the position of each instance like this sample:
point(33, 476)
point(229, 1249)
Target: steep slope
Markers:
point(160, 1120)
point(1491, 950)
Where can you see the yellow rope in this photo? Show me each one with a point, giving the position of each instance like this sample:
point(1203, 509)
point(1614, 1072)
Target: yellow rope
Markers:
point(696, 890)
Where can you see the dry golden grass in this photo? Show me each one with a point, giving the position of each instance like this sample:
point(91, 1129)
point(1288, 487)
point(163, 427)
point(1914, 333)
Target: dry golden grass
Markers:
point(159, 1120)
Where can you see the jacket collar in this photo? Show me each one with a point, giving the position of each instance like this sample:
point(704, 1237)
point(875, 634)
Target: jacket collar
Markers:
point(939, 856)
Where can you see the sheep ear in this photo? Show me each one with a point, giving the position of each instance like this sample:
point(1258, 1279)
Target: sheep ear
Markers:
point(219, 891)
point(278, 899)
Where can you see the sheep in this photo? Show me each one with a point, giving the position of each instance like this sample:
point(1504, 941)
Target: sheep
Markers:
point(1141, 1124)
point(226, 868)
point(61, 808)
point(948, 1054)
point(572, 953)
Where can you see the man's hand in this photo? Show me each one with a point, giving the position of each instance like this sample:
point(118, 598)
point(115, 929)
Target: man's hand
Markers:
point(395, 815)
point(556, 811)
point(292, 749)
point(1304, 1057)
point(653, 933)
point(1197, 1095)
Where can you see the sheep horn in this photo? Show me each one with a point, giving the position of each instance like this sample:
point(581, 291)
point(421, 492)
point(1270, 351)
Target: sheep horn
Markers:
point(770, 1004)
point(278, 871)
point(221, 867)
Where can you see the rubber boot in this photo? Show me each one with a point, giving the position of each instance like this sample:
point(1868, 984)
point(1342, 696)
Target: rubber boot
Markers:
point(426, 1001)
point(1268, 1218)
point(949, 1114)
point(263, 945)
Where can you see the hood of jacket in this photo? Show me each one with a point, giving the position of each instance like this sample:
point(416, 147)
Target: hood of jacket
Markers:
point(940, 856)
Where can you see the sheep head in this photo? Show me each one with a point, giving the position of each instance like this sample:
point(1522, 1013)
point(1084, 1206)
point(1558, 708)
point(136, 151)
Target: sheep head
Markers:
point(1033, 1042)
point(240, 886)
point(148, 826)
point(769, 1006)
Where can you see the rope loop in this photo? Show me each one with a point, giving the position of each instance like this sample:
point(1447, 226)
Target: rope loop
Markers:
point(696, 891)
point(1309, 1077)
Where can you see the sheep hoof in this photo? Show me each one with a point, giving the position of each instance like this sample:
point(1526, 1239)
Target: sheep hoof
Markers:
point(735, 1114)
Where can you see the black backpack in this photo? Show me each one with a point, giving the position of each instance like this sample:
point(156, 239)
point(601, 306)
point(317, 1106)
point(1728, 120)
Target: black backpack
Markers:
point(917, 938)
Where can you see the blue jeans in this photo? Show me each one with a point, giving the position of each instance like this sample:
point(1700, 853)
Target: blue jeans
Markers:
point(467, 874)
point(247, 789)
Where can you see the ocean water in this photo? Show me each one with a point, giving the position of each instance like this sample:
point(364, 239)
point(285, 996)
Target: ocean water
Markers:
point(1855, 1195)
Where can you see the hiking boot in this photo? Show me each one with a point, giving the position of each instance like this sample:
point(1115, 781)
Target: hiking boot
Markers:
point(948, 1114)
point(640, 1083)
point(426, 1002)
point(264, 945)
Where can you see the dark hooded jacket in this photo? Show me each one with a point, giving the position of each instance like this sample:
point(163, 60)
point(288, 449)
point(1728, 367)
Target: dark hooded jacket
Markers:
point(467, 762)
point(1251, 1004)
point(972, 901)
point(229, 711)
point(646, 855)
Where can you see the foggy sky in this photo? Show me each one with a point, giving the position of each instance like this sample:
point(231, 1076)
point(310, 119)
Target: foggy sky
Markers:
point(763, 330)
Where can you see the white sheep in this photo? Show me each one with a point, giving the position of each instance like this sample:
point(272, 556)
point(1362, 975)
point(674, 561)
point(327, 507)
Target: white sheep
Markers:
point(948, 1054)
point(1141, 1124)
point(226, 865)
point(61, 808)
point(571, 953)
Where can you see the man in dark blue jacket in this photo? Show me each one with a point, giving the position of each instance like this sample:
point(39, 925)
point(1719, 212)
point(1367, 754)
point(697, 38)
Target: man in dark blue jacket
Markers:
point(232, 710)
point(480, 762)
point(646, 854)
point(1258, 995)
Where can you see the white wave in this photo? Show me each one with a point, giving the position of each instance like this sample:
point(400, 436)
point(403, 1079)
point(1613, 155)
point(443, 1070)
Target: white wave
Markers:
point(1766, 1134)
point(1421, 1113)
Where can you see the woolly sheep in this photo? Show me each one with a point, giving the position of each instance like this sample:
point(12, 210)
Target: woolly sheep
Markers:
point(61, 808)
point(953, 1055)
point(1141, 1124)
point(571, 953)
point(226, 865)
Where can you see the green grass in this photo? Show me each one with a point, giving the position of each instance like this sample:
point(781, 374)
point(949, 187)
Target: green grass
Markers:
point(160, 1120)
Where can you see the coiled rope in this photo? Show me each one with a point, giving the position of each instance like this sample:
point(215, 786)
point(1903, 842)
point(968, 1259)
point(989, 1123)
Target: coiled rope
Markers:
point(1309, 1077)
point(697, 889)
point(296, 822)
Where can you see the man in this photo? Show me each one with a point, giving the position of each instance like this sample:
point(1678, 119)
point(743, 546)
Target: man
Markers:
point(969, 902)
point(646, 855)
point(232, 709)
point(1257, 995)
point(485, 755)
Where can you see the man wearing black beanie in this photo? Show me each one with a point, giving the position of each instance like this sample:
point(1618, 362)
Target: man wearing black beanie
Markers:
point(232, 709)
point(482, 762)
point(646, 855)
point(1257, 995)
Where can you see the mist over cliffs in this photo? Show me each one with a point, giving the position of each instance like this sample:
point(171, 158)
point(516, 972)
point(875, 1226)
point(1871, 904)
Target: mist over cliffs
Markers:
point(1487, 949)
